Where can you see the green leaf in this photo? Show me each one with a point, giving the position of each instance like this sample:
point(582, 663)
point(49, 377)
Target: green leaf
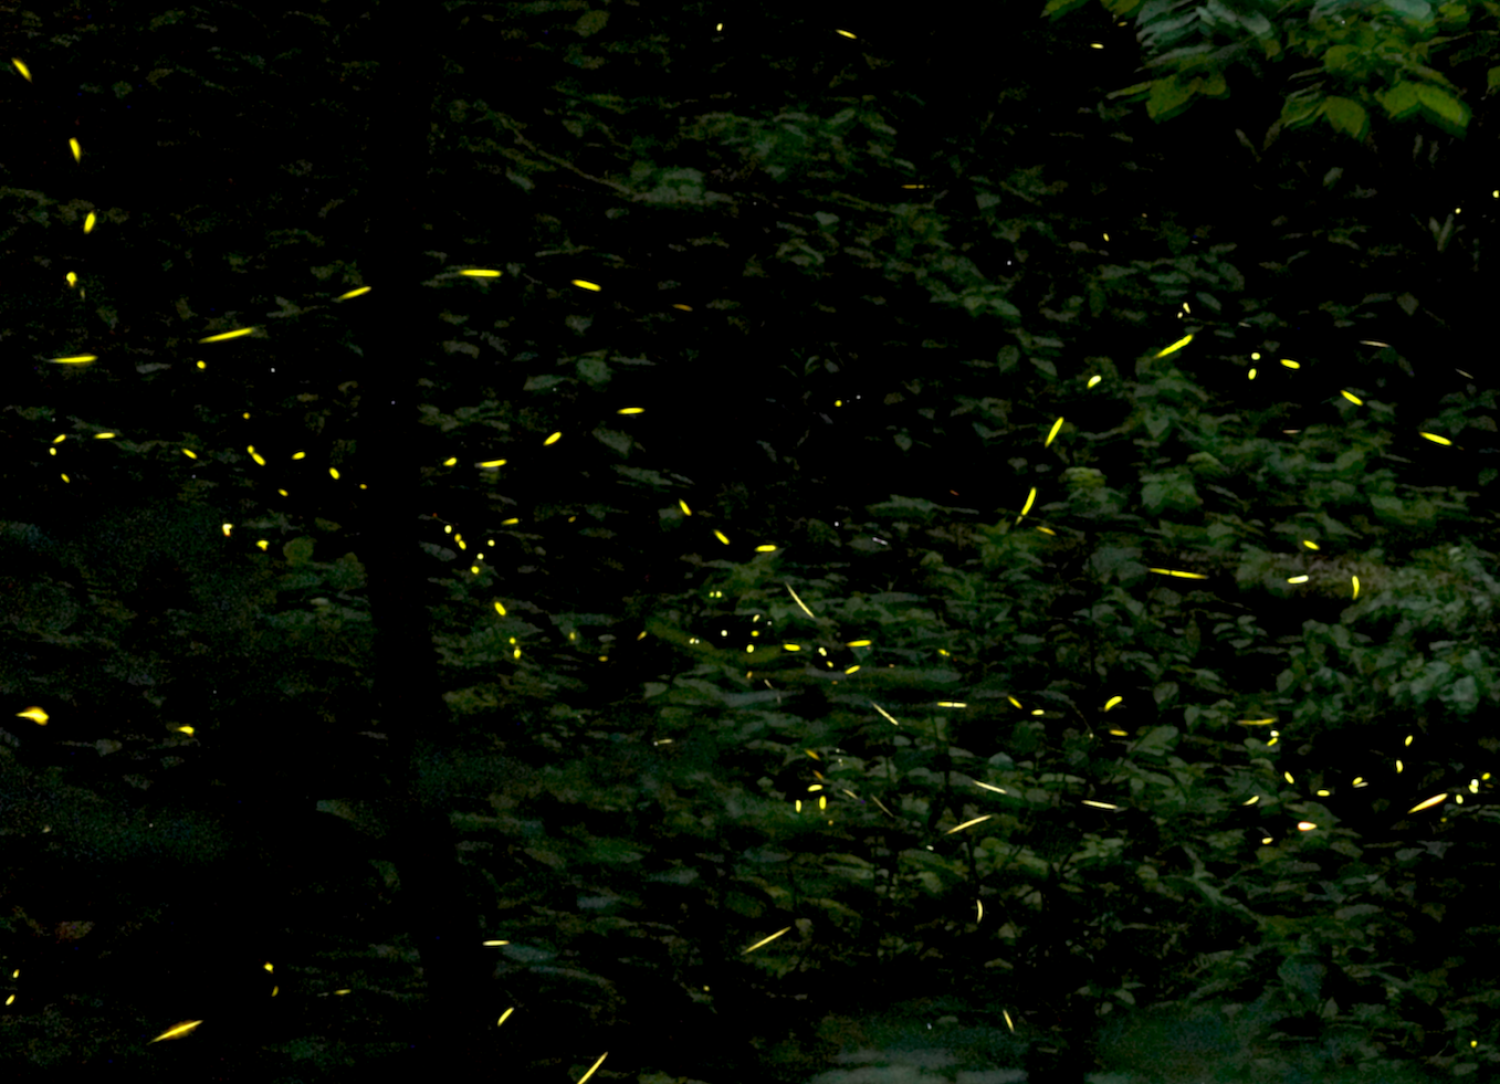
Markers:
point(1158, 741)
point(1168, 97)
point(591, 22)
point(1056, 9)
point(1443, 105)
point(1117, 564)
point(1416, 11)
point(1170, 491)
point(298, 551)
point(1347, 116)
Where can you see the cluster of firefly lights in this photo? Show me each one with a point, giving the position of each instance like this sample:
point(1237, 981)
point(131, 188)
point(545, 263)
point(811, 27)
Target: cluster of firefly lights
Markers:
point(39, 716)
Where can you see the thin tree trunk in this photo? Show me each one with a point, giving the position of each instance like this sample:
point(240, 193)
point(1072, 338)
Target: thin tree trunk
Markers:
point(396, 325)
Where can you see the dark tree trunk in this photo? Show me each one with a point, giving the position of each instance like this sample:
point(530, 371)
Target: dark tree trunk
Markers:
point(396, 326)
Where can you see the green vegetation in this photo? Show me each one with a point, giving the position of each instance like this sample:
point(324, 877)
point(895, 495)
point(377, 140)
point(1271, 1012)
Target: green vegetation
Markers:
point(931, 640)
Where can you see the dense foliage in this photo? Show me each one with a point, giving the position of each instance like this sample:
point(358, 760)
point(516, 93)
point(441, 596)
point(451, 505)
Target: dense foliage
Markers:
point(923, 694)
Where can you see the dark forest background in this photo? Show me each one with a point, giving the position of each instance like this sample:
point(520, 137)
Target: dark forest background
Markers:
point(766, 544)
